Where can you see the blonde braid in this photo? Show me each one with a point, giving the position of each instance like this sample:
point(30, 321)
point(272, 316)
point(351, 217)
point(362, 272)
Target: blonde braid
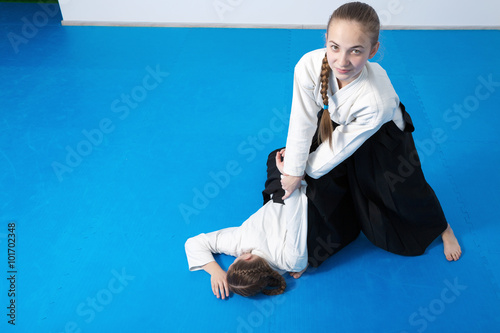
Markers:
point(325, 126)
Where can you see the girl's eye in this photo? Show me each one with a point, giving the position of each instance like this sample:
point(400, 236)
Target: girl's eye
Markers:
point(356, 51)
point(335, 47)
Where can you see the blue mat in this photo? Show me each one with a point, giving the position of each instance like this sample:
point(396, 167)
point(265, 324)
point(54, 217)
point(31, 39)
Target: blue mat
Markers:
point(113, 143)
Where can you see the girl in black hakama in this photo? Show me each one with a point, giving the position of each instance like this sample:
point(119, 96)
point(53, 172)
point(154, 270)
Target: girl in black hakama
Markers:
point(351, 138)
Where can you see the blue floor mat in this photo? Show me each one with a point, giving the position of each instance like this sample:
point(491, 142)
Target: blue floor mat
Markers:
point(113, 141)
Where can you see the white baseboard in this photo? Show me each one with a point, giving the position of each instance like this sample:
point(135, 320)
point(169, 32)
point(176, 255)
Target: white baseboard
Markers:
point(257, 26)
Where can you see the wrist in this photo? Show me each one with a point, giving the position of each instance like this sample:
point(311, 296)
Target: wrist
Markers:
point(212, 268)
point(294, 172)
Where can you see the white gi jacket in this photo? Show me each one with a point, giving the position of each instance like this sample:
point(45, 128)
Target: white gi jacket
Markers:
point(360, 109)
point(276, 232)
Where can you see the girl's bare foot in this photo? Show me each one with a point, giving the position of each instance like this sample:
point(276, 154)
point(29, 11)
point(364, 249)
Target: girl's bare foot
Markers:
point(452, 249)
point(297, 275)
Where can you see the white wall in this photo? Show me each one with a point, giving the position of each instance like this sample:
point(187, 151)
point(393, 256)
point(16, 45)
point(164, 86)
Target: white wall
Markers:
point(278, 13)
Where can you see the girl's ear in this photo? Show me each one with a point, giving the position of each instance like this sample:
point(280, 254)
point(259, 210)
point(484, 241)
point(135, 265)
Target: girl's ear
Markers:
point(374, 50)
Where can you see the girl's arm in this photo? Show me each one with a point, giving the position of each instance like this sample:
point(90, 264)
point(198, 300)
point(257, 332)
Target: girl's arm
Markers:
point(295, 216)
point(303, 116)
point(295, 210)
point(348, 138)
point(288, 183)
point(199, 252)
point(303, 119)
point(218, 279)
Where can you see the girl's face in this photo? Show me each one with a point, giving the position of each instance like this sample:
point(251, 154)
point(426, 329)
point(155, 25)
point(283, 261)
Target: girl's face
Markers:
point(348, 49)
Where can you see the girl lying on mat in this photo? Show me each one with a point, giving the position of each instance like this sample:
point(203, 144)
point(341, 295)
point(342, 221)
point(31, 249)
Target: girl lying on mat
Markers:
point(269, 243)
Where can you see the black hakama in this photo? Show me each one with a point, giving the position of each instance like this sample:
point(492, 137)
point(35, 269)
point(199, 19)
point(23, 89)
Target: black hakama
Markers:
point(380, 190)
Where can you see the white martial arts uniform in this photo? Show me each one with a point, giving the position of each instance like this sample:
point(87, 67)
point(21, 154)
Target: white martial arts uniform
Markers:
point(276, 232)
point(360, 109)
point(349, 185)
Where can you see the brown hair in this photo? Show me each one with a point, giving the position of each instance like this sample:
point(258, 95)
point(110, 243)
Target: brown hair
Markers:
point(367, 17)
point(250, 277)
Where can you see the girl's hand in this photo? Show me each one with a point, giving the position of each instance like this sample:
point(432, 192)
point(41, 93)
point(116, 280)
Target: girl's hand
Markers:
point(219, 284)
point(280, 160)
point(290, 184)
point(218, 279)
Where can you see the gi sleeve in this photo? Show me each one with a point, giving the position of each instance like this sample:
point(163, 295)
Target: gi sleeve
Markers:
point(347, 138)
point(200, 249)
point(303, 119)
point(295, 210)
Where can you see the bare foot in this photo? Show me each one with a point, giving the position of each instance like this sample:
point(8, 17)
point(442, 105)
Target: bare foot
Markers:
point(452, 249)
point(297, 275)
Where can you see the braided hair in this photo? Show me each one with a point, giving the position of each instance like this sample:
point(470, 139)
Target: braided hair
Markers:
point(367, 17)
point(250, 277)
point(325, 126)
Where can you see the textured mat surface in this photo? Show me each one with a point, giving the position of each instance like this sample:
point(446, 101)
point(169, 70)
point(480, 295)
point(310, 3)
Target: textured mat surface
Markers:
point(117, 144)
